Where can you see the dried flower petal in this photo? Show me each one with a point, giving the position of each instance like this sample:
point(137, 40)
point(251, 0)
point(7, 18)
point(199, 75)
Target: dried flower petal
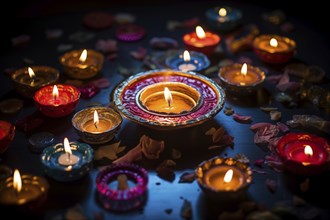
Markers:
point(151, 148)
point(242, 158)
point(275, 115)
point(298, 201)
point(261, 125)
point(285, 78)
point(101, 83)
point(228, 110)
point(187, 177)
point(176, 154)
point(21, 39)
point(218, 134)
point(271, 185)
point(139, 54)
point(259, 171)
point(165, 172)
point(275, 163)
point(290, 86)
point(268, 109)
point(259, 163)
point(75, 213)
point(309, 122)
point(107, 46)
point(112, 56)
point(273, 78)
point(134, 154)
point(214, 147)
point(88, 91)
point(211, 131)
point(211, 69)
point(263, 135)
point(186, 210)
point(108, 151)
point(315, 74)
point(283, 127)
point(296, 69)
point(242, 118)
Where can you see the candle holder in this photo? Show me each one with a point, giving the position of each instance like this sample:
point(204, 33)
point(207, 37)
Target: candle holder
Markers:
point(273, 48)
point(131, 98)
point(236, 83)
point(195, 62)
point(200, 41)
point(26, 82)
point(32, 196)
point(224, 19)
point(127, 198)
point(7, 134)
point(216, 181)
point(82, 155)
point(304, 154)
point(65, 102)
point(78, 64)
point(108, 125)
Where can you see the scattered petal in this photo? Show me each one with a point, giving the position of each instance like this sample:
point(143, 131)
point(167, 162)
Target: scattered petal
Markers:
point(163, 43)
point(309, 122)
point(258, 126)
point(108, 151)
point(151, 148)
point(284, 79)
point(74, 82)
point(20, 40)
point(75, 213)
point(88, 91)
point(211, 131)
point(214, 147)
point(131, 156)
point(296, 69)
point(298, 201)
point(53, 33)
point(139, 54)
point(28, 61)
point(273, 78)
point(271, 185)
point(124, 18)
point(64, 47)
point(315, 74)
point(304, 186)
point(228, 110)
point(268, 109)
point(107, 46)
point(165, 171)
point(283, 127)
point(212, 69)
point(81, 37)
point(263, 135)
point(289, 86)
point(242, 158)
point(186, 210)
point(275, 163)
point(259, 171)
point(242, 118)
point(218, 134)
point(187, 177)
point(259, 163)
point(275, 115)
point(176, 154)
point(101, 83)
point(112, 56)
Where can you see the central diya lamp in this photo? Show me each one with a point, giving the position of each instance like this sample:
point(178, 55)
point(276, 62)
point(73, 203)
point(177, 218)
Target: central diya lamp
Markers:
point(82, 64)
point(224, 178)
point(188, 61)
point(28, 80)
point(304, 154)
point(168, 99)
point(97, 125)
point(122, 187)
point(67, 161)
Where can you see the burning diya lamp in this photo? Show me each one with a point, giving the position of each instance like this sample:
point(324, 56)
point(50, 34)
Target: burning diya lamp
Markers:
point(97, 125)
point(82, 64)
point(193, 61)
point(7, 134)
point(168, 99)
point(28, 80)
point(201, 41)
point(57, 100)
point(224, 18)
point(67, 161)
point(122, 187)
point(241, 79)
point(304, 154)
point(25, 193)
point(274, 48)
point(223, 178)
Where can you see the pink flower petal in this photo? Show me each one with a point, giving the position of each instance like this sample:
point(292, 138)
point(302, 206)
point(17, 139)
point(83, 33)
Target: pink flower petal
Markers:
point(260, 125)
point(289, 86)
point(283, 127)
point(242, 118)
point(259, 163)
point(139, 54)
point(263, 136)
point(88, 91)
point(112, 56)
point(274, 78)
point(284, 79)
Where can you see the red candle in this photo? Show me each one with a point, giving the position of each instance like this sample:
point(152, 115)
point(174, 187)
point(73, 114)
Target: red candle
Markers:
point(304, 153)
point(7, 134)
point(200, 41)
point(57, 100)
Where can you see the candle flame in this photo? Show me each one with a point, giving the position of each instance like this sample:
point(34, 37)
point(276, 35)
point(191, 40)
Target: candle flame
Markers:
point(17, 181)
point(228, 176)
point(96, 119)
point(308, 150)
point(168, 96)
point(83, 56)
point(55, 92)
point(222, 12)
point(186, 56)
point(244, 69)
point(273, 42)
point(31, 73)
point(67, 147)
point(200, 32)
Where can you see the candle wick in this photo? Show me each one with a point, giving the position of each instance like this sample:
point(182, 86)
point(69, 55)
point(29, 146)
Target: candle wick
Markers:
point(69, 159)
point(95, 124)
point(169, 103)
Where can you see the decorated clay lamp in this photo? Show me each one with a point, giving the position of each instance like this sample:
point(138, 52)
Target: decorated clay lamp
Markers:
point(224, 18)
point(7, 134)
point(188, 61)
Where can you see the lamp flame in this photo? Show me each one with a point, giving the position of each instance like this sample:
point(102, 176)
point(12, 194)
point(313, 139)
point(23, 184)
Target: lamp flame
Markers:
point(83, 56)
point(96, 119)
point(308, 150)
point(228, 176)
point(67, 147)
point(168, 96)
point(186, 56)
point(222, 12)
point(244, 69)
point(17, 181)
point(55, 92)
point(31, 73)
point(273, 42)
point(200, 32)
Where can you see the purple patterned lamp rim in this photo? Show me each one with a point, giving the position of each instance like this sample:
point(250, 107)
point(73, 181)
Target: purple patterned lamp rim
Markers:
point(133, 172)
point(125, 98)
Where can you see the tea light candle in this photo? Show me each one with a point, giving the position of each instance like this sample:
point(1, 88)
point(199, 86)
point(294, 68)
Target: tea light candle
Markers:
point(28, 80)
point(224, 18)
point(193, 61)
point(27, 192)
point(172, 98)
point(130, 193)
point(303, 153)
point(67, 161)
point(274, 48)
point(241, 78)
point(82, 64)
point(97, 125)
point(201, 41)
point(7, 134)
point(57, 100)
point(223, 178)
